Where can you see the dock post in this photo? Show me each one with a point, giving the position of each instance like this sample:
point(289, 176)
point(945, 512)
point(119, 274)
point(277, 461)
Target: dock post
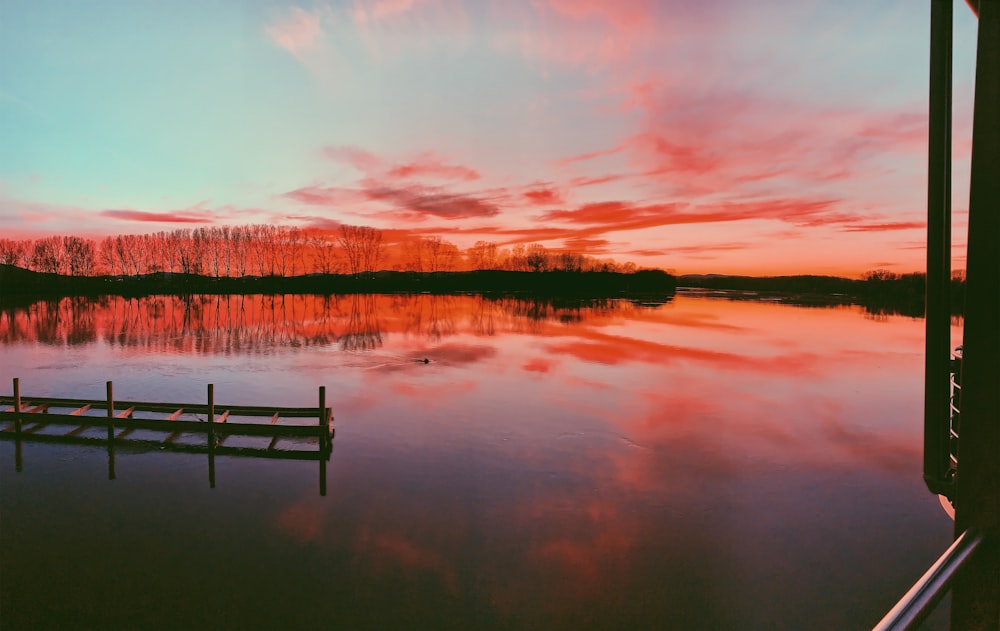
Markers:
point(211, 435)
point(111, 432)
point(17, 405)
point(18, 461)
point(322, 418)
point(211, 408)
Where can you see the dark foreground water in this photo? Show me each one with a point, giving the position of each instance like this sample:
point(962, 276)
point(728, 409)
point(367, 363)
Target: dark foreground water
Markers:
point(703, 463)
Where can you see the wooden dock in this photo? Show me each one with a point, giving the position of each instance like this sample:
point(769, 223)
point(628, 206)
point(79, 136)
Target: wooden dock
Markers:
point(39, 419)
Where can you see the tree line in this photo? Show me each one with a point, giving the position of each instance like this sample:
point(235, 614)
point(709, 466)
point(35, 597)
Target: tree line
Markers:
point(270, 250)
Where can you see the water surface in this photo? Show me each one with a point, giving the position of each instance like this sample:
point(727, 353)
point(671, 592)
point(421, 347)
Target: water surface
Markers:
point(701, 463)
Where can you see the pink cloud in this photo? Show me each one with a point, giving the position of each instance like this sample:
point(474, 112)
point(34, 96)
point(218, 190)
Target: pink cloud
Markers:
point(431, 166)
point(359, 158)
point(584, 157)
point(425, 24)
point(589, 33)
point(316, 195)
point(297, 32)
point(416, 202)
point(886, 226)
point(167, 217)
point(427, 165)
point(701, 141)
point(387, 8)
point(543, 196)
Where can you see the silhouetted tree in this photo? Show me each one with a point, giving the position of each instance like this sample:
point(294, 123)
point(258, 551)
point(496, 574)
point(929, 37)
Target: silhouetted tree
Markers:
point(14, 252)
point(47, 255)
point(484, 255)
point(79, 256)
point(362, 246)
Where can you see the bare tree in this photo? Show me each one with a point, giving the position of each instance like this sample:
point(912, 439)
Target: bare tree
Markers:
point(372, 249)
point(240, 241)
point(47, 255)
point(362, 246)
point(484, 255)
point(325, 255)
point(537, 257)
point(569, 261)
point(14, 252)
point(79, 256)
point(414, 255)
point(106, 254)
point(442, 255)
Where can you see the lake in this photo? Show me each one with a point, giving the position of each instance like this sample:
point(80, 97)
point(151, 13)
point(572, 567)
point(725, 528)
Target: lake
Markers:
point(695, 463)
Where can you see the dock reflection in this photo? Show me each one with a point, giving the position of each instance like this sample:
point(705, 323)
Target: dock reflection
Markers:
point(211, 449)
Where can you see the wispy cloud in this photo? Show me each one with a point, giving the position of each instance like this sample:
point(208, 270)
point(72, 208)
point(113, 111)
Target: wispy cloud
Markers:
point(297, 31)
point(884, 227)
point(543, 196)
point(421, 165)
point(416, 202)
point(160, 217)
point(429, 165)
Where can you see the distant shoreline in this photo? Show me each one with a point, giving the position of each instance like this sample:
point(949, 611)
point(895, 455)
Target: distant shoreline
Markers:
point(15, 281)
point(903, 295)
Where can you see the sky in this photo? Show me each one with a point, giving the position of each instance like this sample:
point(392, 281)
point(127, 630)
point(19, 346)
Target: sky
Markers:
point(735, 136)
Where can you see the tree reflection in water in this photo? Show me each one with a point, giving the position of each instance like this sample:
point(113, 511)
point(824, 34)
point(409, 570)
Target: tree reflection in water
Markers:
point(227, 324)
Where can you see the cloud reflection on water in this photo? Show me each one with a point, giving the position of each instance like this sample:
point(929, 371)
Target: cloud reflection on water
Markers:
point(698, 463)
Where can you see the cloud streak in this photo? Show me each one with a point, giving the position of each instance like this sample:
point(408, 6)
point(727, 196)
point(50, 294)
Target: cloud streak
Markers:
point(417, 202)
point(159, 217)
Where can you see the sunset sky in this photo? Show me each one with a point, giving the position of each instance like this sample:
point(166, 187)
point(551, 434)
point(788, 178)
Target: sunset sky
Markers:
point(732, 136)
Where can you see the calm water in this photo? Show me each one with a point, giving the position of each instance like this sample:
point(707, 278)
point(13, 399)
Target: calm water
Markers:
point(703, 463)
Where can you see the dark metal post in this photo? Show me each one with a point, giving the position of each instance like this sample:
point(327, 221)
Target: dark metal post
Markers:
point(976, 597)
point(938, 304)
